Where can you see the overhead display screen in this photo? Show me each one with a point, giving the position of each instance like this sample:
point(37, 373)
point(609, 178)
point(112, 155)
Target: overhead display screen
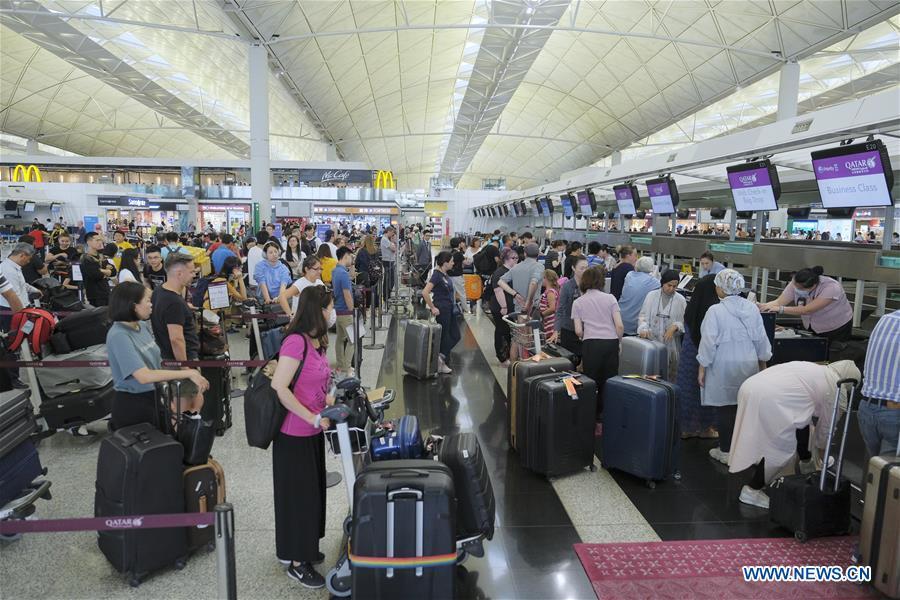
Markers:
point(586, 203)
point(566, 201)
point(754, 186)
point(627, 199)
point(546, 207)
point(852, 176)
point(663, 197)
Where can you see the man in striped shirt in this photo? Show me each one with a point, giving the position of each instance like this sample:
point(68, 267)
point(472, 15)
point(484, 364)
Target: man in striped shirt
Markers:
point(879, 411)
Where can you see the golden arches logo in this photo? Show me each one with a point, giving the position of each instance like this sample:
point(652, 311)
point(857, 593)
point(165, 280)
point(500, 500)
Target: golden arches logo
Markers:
point(384, 179)
point(26, 174)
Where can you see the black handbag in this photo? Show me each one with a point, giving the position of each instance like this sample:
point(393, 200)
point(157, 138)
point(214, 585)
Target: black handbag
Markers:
point(263, 411)
point(193, 432)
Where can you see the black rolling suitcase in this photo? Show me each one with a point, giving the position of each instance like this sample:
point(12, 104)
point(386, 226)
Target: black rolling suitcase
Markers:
point(816, 504)
point(557, 427)
point(81, 330)
point(475, 504)
point(77, 408)
point(139, 472)
point(217, 399)
point(517, 391)
point(16, 419)
point(403, 536)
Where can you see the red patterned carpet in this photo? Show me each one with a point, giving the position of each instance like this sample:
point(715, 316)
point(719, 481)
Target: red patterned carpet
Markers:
point(712, 569)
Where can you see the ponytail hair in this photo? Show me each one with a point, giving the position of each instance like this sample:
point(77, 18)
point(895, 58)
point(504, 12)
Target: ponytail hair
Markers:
point(809, 277)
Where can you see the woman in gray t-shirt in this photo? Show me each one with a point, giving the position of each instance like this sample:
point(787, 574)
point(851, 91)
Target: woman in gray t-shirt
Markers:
point(135, 360)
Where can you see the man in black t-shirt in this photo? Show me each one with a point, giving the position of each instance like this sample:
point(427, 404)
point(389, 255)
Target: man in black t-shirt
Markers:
point(172, 319)
point(574, 254)
point(154, 271)
point(95, 271)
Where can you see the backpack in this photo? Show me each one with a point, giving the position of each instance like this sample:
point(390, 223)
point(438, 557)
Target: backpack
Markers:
point(484, 264)
point(199, 294)
point(36, 323)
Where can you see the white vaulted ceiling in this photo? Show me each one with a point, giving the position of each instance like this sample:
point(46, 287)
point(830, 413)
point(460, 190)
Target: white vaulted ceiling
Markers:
point(464, 89)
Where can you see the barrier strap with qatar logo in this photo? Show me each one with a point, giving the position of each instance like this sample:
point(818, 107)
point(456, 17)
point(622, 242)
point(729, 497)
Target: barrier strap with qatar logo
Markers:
point(12, 527)
point(75, 364)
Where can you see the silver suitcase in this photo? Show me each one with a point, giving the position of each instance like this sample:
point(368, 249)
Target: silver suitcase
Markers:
point(60, 381)
point(421, 346)
point(16, 419)
point(643, 357)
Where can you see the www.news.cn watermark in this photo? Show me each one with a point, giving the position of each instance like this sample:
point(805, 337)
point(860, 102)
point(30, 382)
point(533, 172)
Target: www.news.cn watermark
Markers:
point(834, 573)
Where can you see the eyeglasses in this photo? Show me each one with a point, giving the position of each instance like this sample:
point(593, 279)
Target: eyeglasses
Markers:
point(315, 269)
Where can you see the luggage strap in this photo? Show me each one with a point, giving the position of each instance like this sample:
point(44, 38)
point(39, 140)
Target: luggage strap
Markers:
point(413, 562)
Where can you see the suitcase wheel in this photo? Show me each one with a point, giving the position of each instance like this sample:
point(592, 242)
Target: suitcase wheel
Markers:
point(461, 556)
point(651, 484)
point(348, 524)
point(593, 468)
point(338, 586)
point(800, 536)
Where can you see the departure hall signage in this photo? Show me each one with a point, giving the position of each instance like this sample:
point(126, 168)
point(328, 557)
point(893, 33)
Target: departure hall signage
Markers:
point(127, 201)
point(852, 176)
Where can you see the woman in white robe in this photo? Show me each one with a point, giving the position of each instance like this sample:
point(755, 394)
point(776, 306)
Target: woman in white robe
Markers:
point(773, 407)
point(662, 318)
point(733, 347)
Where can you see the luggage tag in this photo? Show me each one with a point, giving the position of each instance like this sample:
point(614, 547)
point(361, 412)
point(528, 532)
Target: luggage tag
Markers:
point(570, 383)
point(28, 327)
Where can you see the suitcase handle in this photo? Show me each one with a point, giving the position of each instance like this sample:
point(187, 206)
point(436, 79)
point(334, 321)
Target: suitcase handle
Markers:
point(834, 418)
point(402, 473)
point(418, 496)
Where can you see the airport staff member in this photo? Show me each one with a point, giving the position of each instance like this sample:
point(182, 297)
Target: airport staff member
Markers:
point(879, 411)
point(709, 265)
point(820, 301)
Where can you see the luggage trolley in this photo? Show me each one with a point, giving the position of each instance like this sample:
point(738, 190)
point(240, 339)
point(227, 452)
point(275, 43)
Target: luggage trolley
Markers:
point(527, 333)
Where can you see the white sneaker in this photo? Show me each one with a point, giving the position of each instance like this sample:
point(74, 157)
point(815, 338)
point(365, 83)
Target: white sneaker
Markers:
point(754, 497)
point(443, 368)
point(717, 454)
point(812, 465)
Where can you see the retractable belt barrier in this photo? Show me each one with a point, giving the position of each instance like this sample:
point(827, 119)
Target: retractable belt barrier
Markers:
point(73, 364)
point(222, 517)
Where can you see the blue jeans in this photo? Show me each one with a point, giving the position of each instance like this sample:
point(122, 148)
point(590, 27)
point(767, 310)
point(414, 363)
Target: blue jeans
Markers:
point(880, 428)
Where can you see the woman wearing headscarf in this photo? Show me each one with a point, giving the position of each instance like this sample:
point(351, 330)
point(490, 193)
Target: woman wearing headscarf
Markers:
point(662, 318)
point(733, 347)
point(773, 406)
point(695, 419)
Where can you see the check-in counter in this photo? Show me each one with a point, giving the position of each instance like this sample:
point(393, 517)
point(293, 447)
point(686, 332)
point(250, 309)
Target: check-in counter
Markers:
point(681, 247)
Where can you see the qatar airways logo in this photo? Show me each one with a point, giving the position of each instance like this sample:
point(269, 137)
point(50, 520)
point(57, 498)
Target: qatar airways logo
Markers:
point(861, 166)
point(125, 523)
point(748, 179)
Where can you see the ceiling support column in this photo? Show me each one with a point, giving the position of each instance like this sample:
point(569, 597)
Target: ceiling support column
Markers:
point(788, 90)
point(260, 173)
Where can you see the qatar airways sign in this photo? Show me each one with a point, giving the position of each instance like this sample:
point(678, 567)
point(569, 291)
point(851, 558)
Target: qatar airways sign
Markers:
point(852, 180)
point(752, 190)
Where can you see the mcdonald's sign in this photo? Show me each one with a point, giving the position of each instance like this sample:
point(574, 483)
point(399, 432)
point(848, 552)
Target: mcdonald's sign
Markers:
point(384, 180)
point(29, 173)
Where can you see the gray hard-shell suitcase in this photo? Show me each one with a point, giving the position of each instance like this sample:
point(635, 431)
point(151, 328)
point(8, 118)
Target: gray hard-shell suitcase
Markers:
point(879, 535)
point(17, 421)
point(643, 357)
point(421, 346)
point(57, 382)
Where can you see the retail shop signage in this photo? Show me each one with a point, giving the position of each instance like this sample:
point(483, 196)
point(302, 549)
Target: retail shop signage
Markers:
point(357, 210)
point(384, 180)
point(27, 174)
point(335, 176)
point(127, 201)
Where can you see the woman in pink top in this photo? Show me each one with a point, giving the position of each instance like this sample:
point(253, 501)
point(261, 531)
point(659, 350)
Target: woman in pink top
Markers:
point(598, 324)
point(298, 452)
point(549, 299)
point(820, 301)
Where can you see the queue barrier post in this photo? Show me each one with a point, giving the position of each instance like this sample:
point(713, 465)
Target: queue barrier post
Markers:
point(226, 568)
point(372, 345)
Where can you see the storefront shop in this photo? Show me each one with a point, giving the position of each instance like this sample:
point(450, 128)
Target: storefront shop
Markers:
point(355, 215)
point(228, 217)
point(146, 213)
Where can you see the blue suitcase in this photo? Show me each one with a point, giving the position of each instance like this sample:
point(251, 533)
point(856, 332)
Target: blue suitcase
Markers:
point(17, 470)
point(404, 441)
point(640, 429)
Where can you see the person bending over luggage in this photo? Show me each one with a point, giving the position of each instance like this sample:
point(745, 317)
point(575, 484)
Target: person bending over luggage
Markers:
point(695, 419)
point(662, 318)
point(733, 347)
point(564, 326)
point(298, 451)
point(135, 359)
point(774, 407)
point(270, 274)
point(820, 301)
point(501, 304)
point(438, 295)
point(598, 324)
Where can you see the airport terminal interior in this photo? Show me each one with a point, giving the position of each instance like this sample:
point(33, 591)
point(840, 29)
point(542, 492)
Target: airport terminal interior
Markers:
point(599, 299)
